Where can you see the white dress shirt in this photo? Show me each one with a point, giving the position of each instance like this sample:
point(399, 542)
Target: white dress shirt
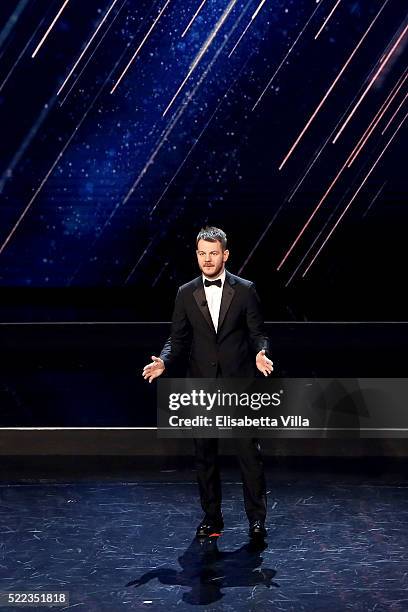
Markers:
point(213, 296)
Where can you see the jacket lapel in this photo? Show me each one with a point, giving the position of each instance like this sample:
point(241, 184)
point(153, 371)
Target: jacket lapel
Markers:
point(199, 296)
point(227, 295)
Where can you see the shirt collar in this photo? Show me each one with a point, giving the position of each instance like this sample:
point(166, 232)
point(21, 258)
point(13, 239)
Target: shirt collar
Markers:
point(221, 276)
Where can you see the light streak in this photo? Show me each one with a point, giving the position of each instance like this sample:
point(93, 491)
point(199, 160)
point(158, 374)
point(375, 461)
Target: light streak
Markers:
point(42, 41)
point(258, 8)
point(193, 18)
point(92, 54)
point(286, 57)
point(332, 86)
point(86, 47)
point(371, 83)
point(202, 51)
point(138, 262)
point(262, 236)
point(247, 27)
point(394, 114)
point(316, 156)
point(373, 124)
point(34, 197)
point(10, 72)
point(375, 198)
point(327, 19)
point(140, 46)
point(354, 196)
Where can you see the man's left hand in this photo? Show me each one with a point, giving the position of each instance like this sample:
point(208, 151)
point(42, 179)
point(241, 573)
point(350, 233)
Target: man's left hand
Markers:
point(264, 364)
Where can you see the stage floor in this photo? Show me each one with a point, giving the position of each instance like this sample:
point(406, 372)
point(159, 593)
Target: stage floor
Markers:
point(336, 542)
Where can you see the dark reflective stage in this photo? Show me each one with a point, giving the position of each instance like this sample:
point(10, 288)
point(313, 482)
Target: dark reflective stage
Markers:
point(336, 542)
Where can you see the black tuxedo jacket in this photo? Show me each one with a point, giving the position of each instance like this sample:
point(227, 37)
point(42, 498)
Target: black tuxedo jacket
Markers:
point(229, 352)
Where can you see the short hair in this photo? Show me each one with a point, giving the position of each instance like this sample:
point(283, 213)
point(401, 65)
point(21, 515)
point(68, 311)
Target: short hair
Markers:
point(212, 234)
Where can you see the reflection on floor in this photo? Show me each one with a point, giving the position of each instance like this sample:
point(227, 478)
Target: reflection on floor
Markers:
point(334, 544)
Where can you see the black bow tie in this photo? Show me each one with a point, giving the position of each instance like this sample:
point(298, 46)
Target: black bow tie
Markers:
point(208, 283)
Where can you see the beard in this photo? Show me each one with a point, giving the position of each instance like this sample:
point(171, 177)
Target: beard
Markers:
point(213, 271)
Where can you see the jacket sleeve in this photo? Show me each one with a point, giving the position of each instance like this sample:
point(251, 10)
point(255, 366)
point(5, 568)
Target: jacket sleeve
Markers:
point(177, 345)
point(259, 340)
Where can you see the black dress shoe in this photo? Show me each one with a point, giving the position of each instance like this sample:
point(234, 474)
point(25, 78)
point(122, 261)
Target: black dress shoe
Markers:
point(257, 530)
point(210, 527)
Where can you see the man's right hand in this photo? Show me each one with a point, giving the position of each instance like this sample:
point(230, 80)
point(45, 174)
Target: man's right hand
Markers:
point(154, 369)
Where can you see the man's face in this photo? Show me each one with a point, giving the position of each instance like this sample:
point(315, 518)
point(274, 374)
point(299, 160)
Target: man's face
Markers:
point(211, 258)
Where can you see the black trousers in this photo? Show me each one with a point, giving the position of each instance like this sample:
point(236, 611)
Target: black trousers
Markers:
point(252, 472)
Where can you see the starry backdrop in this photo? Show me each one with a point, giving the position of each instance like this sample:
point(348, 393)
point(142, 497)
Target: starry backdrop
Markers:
point(126, 125)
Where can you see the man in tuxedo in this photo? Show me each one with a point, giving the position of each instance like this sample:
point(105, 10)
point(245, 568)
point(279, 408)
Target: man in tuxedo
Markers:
point(217, 328)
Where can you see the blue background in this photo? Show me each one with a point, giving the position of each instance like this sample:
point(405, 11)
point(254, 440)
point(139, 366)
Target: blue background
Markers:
point(88, 247)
